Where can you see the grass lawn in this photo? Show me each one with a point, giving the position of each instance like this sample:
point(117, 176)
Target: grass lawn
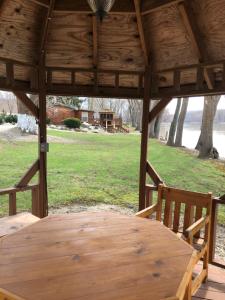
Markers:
point(104, 169)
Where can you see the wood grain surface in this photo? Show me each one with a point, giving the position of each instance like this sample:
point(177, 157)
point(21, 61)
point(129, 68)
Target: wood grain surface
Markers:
point(94, 256)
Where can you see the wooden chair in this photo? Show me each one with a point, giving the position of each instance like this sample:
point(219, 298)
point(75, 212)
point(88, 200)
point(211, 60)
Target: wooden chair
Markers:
point(194, 226)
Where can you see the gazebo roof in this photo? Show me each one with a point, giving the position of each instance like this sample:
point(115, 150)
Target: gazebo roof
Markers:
point(183, 42)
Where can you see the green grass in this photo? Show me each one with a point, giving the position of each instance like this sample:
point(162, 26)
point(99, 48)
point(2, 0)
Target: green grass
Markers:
point(104, 169)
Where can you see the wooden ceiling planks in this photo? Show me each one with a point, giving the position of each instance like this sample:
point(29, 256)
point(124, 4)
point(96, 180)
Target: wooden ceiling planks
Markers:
point(119, 44)
point(70, 41)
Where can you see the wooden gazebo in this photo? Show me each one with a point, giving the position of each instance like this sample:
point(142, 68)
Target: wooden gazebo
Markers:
point(149, 49)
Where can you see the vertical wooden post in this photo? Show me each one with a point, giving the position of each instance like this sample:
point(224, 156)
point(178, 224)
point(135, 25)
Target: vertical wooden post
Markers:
point(43, 195)
point(35, 201)
point(12, 203)
point(144, 137)
point(213, 227)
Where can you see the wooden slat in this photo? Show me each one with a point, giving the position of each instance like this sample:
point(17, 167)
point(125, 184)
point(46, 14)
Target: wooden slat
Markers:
point(188, 216)
point(198, 215)
point(176, 220)
point(168, 212)
point(28, 175)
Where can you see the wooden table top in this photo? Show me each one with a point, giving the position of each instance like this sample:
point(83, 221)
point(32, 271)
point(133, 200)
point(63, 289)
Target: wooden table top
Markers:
point(94, 256)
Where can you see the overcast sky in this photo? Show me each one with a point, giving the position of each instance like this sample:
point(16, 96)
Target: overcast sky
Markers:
point(195, 103)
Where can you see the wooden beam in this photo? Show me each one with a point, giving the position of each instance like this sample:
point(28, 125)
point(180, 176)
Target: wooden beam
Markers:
point(153, 174)
point(28, 175)
point(28, 103)
point(44, 3)
point(154, 5)
point(144, 138)
point(195, 38)
point(95, 41)
point(158, 108)
point(137, 4)
point(45, 30)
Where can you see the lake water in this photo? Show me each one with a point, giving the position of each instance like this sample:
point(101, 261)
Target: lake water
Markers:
point(191, 134)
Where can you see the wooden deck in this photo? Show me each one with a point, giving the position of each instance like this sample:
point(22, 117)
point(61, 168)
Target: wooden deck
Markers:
point(214, 289)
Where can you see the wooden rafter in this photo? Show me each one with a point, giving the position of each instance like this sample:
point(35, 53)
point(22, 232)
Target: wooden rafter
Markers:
point(28, 103)
point(95, 40)
point(151, 6)
point(45, 31)
point(195, 38)
point(137, 4)
point(44, 3)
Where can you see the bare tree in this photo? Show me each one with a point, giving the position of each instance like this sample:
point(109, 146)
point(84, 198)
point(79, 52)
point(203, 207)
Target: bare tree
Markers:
point(173, 126)
point(205, 142)
point(180, 124)
point(135, 113)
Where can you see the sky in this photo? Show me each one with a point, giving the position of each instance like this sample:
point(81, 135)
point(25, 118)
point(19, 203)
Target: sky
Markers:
point(195, 103)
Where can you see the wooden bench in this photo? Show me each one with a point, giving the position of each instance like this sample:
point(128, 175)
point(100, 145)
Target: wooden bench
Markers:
point(14, 223)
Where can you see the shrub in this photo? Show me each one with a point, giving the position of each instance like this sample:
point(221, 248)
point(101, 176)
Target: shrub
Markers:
point(11, 119)
point(48, 121)
point(1, 120)
point(72, 123)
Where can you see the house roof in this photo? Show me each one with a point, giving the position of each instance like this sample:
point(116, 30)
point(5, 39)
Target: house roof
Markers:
point(177, 38)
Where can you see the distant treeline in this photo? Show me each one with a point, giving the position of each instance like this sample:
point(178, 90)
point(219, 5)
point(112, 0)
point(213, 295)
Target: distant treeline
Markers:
point(196, 116)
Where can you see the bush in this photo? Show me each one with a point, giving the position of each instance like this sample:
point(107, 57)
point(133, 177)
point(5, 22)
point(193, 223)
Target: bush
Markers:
point(72, 123)
point(11, 119)
point(1, 120)
point(48, 121)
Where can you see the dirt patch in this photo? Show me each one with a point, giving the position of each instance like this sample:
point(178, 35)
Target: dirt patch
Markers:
point(11, 133)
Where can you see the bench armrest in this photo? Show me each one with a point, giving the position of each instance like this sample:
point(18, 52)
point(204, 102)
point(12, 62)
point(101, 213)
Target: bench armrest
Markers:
point(196, 227)
point(147, 211)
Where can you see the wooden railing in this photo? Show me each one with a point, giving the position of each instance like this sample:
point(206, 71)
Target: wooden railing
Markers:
point(12, 193)
point(214, 224)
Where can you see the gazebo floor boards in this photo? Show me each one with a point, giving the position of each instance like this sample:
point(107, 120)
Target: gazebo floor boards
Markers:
point(214, 289)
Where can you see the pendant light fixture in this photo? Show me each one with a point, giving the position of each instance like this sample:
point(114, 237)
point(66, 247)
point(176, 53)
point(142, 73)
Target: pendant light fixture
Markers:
point(101, 7)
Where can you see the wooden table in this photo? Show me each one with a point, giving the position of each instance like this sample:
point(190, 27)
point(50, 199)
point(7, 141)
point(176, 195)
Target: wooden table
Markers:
point(94, 256)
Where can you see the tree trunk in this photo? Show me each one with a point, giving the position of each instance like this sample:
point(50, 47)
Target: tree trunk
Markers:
point(158, 125)
point(173, 125)
point(205, 142)
point(180, 124)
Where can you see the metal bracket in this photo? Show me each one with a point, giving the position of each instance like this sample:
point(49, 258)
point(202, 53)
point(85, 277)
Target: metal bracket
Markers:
point(44, 147)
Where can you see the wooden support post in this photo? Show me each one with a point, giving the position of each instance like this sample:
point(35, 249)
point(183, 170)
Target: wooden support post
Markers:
point(213, 227)
point(12, 203)
point(144, 137)
point(43, 196)
point(35, 201)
